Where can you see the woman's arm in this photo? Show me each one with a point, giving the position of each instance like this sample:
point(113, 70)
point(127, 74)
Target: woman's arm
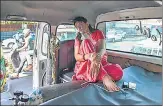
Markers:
point(80, 57)
point(100, 51)
point(101, 47)
point(96, 59)
point(92, 56)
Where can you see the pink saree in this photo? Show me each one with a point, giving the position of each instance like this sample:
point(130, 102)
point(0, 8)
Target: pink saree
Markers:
point(82, 68)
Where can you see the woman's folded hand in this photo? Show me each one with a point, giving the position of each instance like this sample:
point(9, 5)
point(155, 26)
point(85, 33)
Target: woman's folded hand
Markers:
point(94, 70)
point(93, 56)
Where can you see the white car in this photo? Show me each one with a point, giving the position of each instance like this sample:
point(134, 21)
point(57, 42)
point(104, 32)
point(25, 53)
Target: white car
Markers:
point(113, 36)
point(8, 43)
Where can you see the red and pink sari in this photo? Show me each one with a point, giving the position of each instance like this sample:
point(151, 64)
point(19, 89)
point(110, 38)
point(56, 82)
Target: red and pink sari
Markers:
point(82, 68)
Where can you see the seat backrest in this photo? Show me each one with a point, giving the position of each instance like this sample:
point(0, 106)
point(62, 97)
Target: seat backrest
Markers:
point(65, 57)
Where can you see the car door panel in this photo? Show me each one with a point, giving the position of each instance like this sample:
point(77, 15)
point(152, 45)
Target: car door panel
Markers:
point(41, 55)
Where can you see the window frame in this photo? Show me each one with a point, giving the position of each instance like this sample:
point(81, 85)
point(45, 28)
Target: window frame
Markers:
point(126, 51)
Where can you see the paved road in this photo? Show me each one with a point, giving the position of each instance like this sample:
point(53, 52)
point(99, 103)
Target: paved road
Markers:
point(124, 45)
point(127, 44)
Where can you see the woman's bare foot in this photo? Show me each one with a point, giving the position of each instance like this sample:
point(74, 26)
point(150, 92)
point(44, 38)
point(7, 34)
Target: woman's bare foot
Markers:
point(14, 77)
point(109, 84)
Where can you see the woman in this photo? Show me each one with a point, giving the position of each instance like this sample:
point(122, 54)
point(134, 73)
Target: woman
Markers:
point(91, 57)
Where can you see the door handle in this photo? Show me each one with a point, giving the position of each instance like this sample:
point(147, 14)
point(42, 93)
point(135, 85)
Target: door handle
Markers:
point(35, 51)
point(42, 65)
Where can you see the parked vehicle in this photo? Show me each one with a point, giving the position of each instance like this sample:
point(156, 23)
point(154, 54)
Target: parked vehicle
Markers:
point(17, 39)
point(114, 36)
point(121, 33)
point(8, 43)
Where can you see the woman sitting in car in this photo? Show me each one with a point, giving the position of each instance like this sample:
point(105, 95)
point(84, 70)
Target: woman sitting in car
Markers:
point(91, 57)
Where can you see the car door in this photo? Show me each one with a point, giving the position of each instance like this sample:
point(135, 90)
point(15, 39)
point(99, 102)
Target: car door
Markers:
point(42, 61)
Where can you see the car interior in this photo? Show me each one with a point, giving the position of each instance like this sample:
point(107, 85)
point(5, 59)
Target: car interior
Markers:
point(142, 69)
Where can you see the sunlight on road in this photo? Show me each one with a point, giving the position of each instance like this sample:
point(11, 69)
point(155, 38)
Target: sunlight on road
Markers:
point(125, 45)
point(128, 45)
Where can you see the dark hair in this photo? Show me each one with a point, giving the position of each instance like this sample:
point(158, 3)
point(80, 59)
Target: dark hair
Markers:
point(79, 19)
point(82, 19)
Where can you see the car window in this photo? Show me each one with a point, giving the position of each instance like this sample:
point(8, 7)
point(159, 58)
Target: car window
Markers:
point(134, 36)
point(66, 32)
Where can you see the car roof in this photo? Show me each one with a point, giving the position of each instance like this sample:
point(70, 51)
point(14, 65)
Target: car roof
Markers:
point(56, 12)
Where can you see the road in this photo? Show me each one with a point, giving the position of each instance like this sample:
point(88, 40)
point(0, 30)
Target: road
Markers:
point(127, 44)
point(123, 45)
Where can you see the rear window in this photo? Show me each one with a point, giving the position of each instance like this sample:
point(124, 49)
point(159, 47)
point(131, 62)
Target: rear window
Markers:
point(134, 36)
point(66, 32)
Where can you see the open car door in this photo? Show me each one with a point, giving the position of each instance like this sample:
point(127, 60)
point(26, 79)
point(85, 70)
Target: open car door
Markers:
point(42, 62)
